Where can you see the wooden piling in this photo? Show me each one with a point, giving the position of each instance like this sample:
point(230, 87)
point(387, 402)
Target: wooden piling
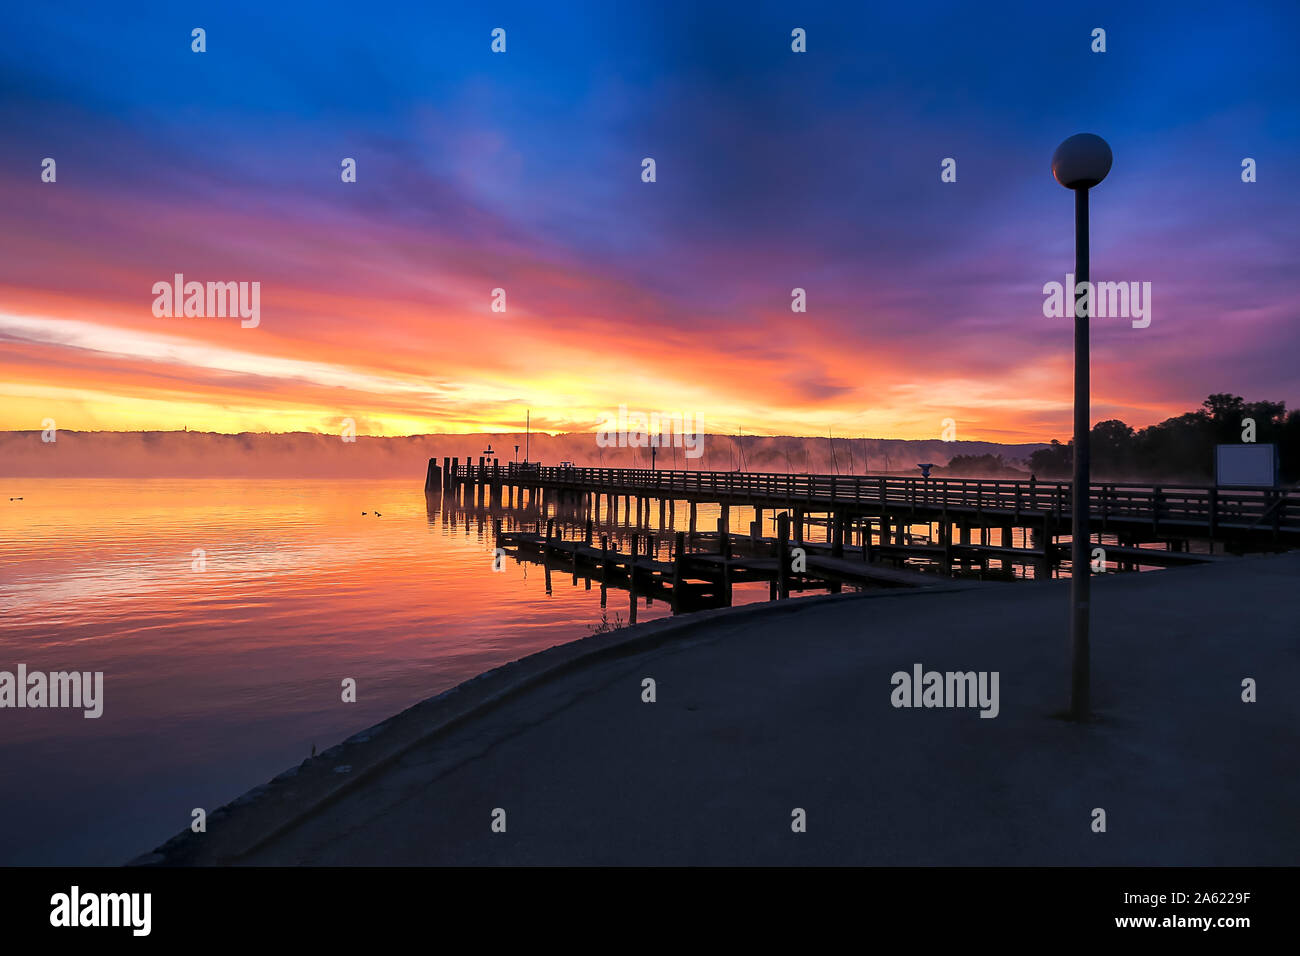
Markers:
point(724, 548)
point(679, 567)
point(782, 556)
point(1043, 557)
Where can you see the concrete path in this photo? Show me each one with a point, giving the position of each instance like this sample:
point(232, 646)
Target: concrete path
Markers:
point(763, 712)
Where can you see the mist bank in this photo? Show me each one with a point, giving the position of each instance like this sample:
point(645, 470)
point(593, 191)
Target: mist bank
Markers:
point(303, 454)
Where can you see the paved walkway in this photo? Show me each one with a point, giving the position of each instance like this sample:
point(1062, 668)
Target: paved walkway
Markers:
point(761, 712)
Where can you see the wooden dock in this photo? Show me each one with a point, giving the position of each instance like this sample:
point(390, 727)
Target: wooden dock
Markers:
point(972, 526)
point(700, 569)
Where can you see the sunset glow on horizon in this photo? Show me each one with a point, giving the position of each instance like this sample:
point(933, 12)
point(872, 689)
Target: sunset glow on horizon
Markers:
point(522, 171)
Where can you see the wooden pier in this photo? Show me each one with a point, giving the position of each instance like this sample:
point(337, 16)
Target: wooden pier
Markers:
point(967, 520)
point(832, 531)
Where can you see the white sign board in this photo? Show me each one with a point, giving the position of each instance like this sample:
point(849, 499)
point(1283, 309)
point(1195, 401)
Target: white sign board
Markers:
point(1249, 465)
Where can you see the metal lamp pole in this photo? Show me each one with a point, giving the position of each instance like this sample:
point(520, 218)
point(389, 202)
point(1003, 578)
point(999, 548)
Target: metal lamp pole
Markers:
point(1080, 163)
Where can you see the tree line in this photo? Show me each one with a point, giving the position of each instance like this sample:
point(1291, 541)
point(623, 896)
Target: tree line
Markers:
point(1180, 448)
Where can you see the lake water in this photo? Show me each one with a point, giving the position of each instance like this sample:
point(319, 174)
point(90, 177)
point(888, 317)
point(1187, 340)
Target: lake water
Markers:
point(222, 670)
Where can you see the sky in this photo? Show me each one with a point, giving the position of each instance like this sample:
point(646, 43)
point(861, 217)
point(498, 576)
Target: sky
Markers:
point(522, 171)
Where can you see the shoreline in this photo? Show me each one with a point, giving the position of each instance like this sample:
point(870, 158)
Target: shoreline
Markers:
point(787, 704)
point(263, 812)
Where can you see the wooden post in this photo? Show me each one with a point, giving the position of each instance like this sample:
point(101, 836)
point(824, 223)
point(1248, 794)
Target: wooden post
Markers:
point(604, 557)
point(679, 561)
point(587, 538)
point(432, 478)
point(550, 527)
point(724, 546)
point(1043, 565)
point(782, 556)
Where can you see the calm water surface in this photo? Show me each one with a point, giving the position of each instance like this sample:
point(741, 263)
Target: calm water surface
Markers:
point(215, 680)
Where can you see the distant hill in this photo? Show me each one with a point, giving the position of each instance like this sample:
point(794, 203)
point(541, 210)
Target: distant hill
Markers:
point(305, 454)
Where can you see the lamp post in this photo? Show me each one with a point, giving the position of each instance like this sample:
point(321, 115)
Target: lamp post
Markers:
point(1080, 163)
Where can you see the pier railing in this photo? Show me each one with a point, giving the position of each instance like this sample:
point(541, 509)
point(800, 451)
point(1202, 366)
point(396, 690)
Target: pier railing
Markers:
point(1252, 509)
